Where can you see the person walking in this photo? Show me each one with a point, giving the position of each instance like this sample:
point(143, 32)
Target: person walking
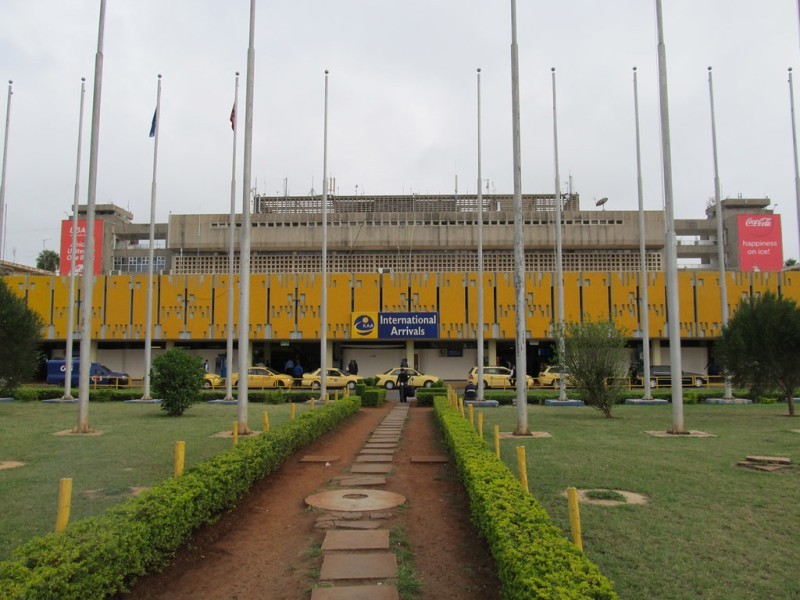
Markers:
point(205, 365)
point(402, 385)
point(288, 368)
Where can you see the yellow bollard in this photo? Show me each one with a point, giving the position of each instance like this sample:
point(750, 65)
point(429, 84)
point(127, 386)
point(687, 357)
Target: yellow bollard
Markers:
point(461, 407)
point(326, 397)
point(574, 517)
point(180, 454)
point(471, 415)
point(236, 433)
point(312, 402)
point(480, 425)
point(497, 440)
point(336, 396)
point(522, 468)
point(64, 503)
point(291, 412)
point(265, 418)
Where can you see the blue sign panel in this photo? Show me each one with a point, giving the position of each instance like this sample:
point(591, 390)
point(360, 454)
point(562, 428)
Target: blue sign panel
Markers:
point(408, 325)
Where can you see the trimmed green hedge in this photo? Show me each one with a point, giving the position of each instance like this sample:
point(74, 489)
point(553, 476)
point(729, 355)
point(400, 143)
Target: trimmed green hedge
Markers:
point(533, 558)
point(373, 397)
point(100, 556)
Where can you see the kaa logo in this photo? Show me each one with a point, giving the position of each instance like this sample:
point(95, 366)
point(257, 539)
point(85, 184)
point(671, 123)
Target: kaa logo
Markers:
point(364, 325)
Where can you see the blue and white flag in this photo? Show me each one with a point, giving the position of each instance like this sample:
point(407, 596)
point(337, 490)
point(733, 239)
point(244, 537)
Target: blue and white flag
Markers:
point(153, 126)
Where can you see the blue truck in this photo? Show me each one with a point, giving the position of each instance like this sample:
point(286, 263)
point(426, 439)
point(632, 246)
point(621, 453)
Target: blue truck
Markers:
point(98, 374)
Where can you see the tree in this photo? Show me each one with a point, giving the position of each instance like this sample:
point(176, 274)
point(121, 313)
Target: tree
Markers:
point(177, 378)
point(760, 346)
point(20, 334)
point(48, 260)
point(790, 262)
point(597, 361)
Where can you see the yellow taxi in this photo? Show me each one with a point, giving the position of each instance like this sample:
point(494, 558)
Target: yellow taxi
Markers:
point(495, 377)
point(334, 378)
point(212, 380)
point(388, 379)
point(551, 375)
point(264, 377)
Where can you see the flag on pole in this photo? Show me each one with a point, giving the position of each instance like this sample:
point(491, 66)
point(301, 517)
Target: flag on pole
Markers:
point(233, 118)
point(153, 126)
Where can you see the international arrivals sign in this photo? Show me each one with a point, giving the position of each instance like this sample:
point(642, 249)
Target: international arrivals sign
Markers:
point(394, 325)
point(760, 243)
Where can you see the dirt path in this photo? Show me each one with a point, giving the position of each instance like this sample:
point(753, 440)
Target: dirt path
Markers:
point(265, 548)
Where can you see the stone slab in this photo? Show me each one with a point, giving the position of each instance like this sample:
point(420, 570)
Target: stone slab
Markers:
point(374, 458)
point(357, 500)
point(323, 458)
point(727, 401)
point(385, 438)
point(643, 402)
point(669, 434)
point(356, 592)
point(775, 460)
point(430, 459)
point(563, 403)
point(372, 468)
point(388, 451)
point(224, 402)
point(505, 435)
point(362, 566)
point(381, 445)
point(356, 480)
point(482, 403)
point(762, 466)
point(356, 540)
point(362, 524)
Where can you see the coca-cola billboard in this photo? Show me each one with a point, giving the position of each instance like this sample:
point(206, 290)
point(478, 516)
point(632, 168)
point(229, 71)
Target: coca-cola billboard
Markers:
point(65, 262)
point(760, 243)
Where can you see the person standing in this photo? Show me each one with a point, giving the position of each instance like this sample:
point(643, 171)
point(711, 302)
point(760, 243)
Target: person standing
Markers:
point(288, 368)
point(205, 365)
point(352, 367)
point(404, 363)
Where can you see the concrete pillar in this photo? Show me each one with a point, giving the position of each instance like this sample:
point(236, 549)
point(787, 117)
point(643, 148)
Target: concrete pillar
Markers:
point(492, 352)
point(410, 353)
point(655, 352)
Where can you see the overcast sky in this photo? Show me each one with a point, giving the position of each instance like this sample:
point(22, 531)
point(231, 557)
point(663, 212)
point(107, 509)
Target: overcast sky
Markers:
point(402, 111)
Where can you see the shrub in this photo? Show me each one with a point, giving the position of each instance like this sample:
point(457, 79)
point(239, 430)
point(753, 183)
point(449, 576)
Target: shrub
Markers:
point(24, 394)
point(101, 556)
point(533, 558)
point(360, 387)
point(370, 381)
point(177, 378)
point(20, 330)
point(373, 397)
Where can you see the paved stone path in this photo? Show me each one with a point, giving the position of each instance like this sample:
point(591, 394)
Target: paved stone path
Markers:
point(357, 559)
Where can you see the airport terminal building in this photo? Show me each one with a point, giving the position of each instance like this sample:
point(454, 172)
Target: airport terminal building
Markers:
point(403, 279)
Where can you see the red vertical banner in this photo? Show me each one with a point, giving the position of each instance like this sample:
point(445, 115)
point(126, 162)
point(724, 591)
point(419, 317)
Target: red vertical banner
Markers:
point(79, 232)
point(760, 243)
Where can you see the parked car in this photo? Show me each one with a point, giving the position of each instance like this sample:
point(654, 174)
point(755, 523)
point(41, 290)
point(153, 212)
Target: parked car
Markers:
point(212, 380)
point(551, 376)
point(334, 378)
point(495, 377)
point(388, 379)
point(264, 377)
point(661, 375)
point(98, 374)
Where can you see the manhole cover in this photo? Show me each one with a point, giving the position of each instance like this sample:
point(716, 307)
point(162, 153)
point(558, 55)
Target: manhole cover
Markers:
point(355, 500)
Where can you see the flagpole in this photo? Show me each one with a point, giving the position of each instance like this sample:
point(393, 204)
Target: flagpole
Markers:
point(670, 243)
point(3, 177)
point(644, 304)
point(794, 146)
point(519, 249)
point(231, 243)
point(562, 383)
point(148, 334)
point(87, 282)
point(244, 252)
point(324, 303)
point(479, 391)
point(723, 285)
point(73, 250)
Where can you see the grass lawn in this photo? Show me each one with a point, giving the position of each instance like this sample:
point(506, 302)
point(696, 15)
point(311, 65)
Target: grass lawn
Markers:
point(709, 529)
point(136, 450)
